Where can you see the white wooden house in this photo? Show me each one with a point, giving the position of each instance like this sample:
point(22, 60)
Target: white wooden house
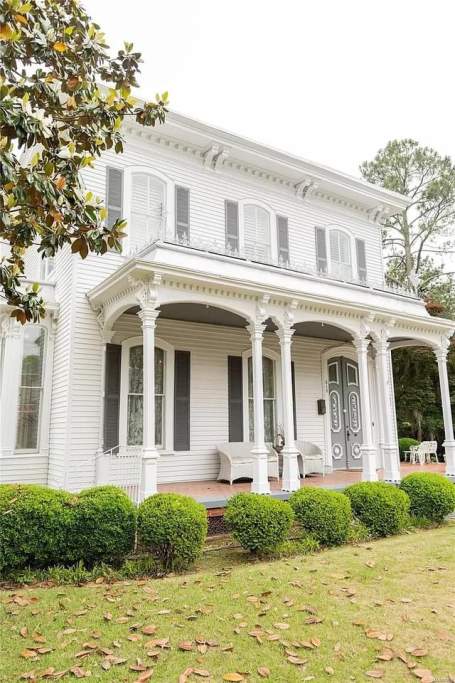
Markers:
point(249, 299)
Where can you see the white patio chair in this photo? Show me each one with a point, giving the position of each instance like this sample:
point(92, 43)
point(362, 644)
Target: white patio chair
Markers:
point(430, 451)
point(237, 461)
point(311, 458)
point(412, 453)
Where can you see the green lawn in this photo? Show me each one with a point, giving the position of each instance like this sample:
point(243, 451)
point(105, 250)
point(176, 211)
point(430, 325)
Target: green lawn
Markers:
point(321, 617)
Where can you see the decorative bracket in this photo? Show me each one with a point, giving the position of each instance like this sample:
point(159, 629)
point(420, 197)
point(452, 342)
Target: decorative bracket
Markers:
point(215, 156)
point(305, 188)
point(146, 291)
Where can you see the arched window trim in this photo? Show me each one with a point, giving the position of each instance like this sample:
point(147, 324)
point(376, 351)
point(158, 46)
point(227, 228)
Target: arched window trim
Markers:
point(273, 355)
point(246, 201)
point(168, 349)
point(44, 398)
point(168, 222)
point(338, 228)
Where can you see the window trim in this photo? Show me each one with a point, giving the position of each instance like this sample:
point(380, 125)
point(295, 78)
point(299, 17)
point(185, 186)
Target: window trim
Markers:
point(275, 357)
point(168, 349)
point(45, 275)
point(42, 388)
point(352, 246)
point(247, 201)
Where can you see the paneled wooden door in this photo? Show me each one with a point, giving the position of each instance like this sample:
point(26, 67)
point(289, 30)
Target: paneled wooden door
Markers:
point(344, 413)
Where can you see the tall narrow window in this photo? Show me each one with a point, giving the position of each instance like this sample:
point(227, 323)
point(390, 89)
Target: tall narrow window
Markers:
point(114, 194)
point(31, 388)
point(268, 380)
point(257, 233)
point(321, 250)
point(136, 396)
point(361, 260)
point(283, 240)
point(182, 214)
point(232, 226)
point(147, 210)
point(340, 255)
point(47, 267)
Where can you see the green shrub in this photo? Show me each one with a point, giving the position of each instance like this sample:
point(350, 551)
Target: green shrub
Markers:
point(35, 524)
point(405, 444)
point(104, 526)
point(173, 528)
point(325, 514)
point(258, 523)
point(383, 508)
point(432, 496)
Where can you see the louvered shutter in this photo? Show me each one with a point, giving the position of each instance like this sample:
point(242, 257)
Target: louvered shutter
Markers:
point(294, 403)
point(257, 233)
point(112, 395)
point(231, 212)
point(147, 209)
point(182, 379)
point(114, 194)
point(182, 214)
point(283, 239)
point(235, 398)
point(321, 250)
point(361, 260)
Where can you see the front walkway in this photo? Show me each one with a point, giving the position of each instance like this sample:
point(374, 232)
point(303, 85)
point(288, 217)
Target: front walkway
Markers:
point(214, 494)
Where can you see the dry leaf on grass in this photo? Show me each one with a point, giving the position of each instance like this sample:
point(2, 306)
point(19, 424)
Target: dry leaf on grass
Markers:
point(375, 673)
point(235, 677)
point(263, 672)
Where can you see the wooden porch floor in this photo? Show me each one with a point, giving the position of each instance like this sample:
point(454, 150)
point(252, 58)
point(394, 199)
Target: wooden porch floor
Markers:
point(214, 494)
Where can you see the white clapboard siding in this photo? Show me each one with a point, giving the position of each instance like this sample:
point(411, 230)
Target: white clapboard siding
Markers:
point(26, 469)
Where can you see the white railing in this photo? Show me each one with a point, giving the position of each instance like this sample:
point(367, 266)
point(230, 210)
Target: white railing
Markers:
point(257, 255)
point(122, 468)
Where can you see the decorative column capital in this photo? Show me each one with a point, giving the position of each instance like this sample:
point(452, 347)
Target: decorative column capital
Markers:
point(441, 353)
point(361, 344)
point(256, 329)
point(148, 316)
point(285, 333)
point(381, 341)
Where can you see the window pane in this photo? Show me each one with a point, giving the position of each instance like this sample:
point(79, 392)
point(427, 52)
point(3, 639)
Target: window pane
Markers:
point(28, 418)
point(268, 379)
point(250, 377)
point(269, 421)
point(159, 371)
point(251, 419)
point(136, 372)
point(159, 415)
point(32, 360)
point(135, 411)
point(333, 372)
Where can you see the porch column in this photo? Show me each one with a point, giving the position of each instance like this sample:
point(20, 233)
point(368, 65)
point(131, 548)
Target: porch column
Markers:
point(260, 483)
point(368, 449)
point(290, 475)
point(387, 408)
point(449, 443)
point(148, 316)
point(9, 383)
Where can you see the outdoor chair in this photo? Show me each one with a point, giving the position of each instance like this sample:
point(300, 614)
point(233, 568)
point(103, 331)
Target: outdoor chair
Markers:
point(237, 461)
point(311, 458)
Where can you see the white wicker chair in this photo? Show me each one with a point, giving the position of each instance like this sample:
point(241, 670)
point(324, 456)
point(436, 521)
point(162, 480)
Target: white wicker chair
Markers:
point(311, 458)
point(237, 461)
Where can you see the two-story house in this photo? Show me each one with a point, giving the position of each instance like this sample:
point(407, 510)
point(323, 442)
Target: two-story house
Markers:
point(249, 300)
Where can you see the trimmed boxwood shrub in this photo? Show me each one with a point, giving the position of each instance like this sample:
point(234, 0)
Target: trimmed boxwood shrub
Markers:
point(324, 514)
point(404, 444)
point(173, 528)
point(432, 496)
point(382, 507)
point(104, 526)
point(35, 524)
point(258, 523)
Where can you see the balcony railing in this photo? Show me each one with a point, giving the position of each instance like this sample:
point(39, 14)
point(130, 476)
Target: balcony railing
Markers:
point(259, 255)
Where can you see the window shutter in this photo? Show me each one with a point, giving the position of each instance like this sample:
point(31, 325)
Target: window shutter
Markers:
point(235, 398)
point(283, 239)
point(182, 401)
point(257, 233)
point(294, 404)
point(182, 214)
point(361, 260)
point(231, 212)
point(114, 194)
point(112, 395)
point(321, 250)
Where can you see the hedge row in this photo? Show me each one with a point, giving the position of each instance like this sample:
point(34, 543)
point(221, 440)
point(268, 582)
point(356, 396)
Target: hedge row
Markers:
point(43, 527)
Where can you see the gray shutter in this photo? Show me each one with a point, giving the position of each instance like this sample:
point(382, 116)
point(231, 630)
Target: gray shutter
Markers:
point(182, 372)
point(321, 250)
point(361, 259)
point(182, 214)
point(294, 404)
point(283, 239)
point(114, 194)
point(112, 395)
point(235, 398)
point(231, 214)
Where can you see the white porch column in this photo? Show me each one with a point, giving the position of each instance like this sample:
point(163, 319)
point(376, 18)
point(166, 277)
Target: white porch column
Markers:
point(290, 475)
point(449, 443)
point(9, 390)
point(150, 456)
point(387, 408)
point(260, 483)
point(368, 449)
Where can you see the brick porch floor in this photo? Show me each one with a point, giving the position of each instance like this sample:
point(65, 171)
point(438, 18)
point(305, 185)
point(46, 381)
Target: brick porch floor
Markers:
point(215, 493)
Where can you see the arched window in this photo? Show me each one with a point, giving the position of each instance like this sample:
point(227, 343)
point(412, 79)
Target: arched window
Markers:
point(340, 255)
point(135, 399)
point(269, 388)
point(257, 233)
point(30, 388)
point(148, 209)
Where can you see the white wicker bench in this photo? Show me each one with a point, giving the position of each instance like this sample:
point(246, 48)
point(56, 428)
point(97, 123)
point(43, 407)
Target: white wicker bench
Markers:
point(311, 458)
point(237, 461)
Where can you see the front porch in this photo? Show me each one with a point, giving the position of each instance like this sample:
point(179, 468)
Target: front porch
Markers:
point(215, 494)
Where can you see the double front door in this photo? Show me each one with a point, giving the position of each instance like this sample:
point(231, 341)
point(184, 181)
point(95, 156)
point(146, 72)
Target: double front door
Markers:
point(344, 413)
